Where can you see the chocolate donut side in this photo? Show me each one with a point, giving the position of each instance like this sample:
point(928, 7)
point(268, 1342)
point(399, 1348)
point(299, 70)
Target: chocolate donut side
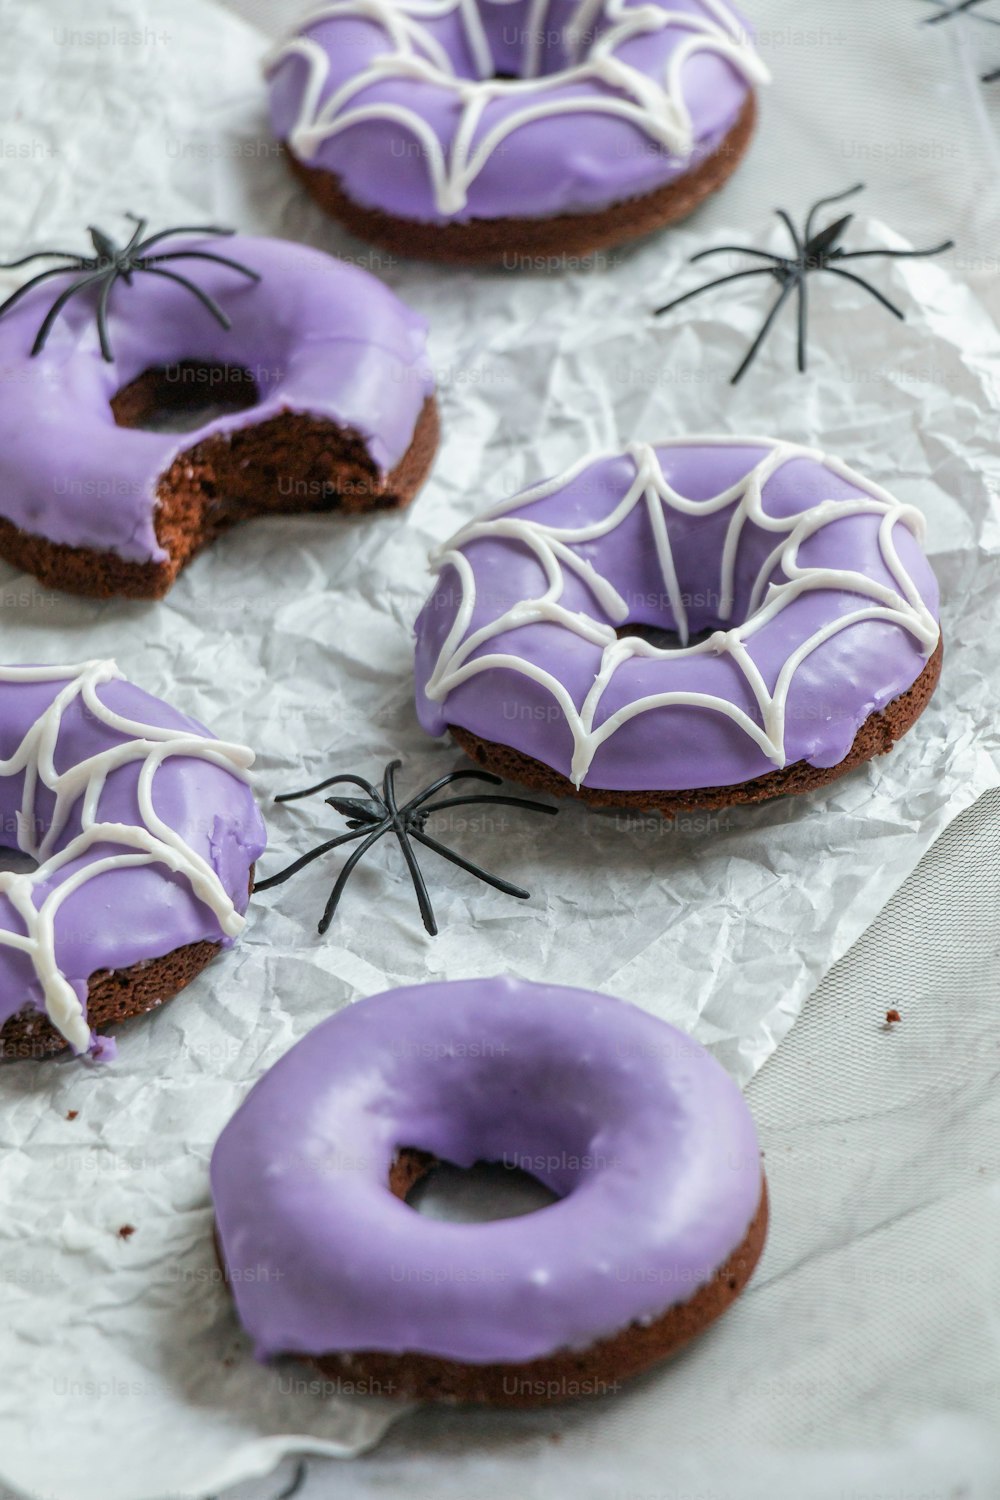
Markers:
point(226, 479)
point(113, 995)
point(503, 241)
point(877, 736)
point(566, 1375)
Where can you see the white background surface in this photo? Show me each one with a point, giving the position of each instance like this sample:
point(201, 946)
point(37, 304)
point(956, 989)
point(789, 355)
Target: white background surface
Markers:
point(865, 1359)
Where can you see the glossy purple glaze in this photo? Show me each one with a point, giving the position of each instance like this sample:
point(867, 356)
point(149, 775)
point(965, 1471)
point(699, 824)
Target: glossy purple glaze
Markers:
point(681, 746)
point(644, 1137)
point(317, 336)
point(565, 163)
point(123, 916)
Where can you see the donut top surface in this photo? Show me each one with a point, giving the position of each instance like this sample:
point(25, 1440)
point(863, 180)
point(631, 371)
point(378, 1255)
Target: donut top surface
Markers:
point(796, 592)
point(315, 335)
point(642, 1135)
point(140, 822)
point(495, 108)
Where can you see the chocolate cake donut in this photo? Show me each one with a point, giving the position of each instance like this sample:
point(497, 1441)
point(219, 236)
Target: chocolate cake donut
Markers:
point(507, 130)
point(331, 406)
point(142, 833)
point(645, 1140)
point(701, 623)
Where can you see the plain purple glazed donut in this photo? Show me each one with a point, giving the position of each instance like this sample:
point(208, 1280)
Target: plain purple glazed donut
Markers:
point(644, 1138)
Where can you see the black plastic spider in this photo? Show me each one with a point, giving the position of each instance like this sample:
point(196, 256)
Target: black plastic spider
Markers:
point(111, 262)
point(946, 12)
point(964, 8)
point(378, 813)
point(814, 251)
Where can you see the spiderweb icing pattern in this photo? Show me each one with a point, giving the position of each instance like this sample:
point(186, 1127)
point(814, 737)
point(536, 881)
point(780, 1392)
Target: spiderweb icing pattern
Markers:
point(655, 106)
point(150, 842)
point(553, 546)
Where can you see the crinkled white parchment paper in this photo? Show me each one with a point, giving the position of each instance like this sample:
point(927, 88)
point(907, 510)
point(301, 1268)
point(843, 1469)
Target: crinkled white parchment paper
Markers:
point(126, 1376)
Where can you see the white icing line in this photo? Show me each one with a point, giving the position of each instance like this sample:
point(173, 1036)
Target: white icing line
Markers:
point(665, 555)
point(153, 842)
point(656, 107)
point(903, 606)
point(531, 58)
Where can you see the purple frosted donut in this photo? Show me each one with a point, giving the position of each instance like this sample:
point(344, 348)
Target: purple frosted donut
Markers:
point(144, 834)
point(491, 129)
point(801, 621)
point(326, 367)
point(641, 1135)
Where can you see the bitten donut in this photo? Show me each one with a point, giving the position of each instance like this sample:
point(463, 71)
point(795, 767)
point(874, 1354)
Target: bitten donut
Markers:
point(800, 618)
point(641, 1135)
point(505, 130)
point(143, 832)
point(323, 369)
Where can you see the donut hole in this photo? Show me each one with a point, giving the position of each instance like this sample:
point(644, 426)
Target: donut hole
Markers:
point(477, 1194)
point(183, 397)
point(663, 639)
point(522, 47)
point(12, 861)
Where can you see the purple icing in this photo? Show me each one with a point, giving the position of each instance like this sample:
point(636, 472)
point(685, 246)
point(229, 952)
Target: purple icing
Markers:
point(122, 916)
point(645, 1139)
point(565, 162)
point(834, 689)
point(318, 336)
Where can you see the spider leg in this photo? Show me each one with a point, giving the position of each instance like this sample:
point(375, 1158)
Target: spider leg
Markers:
point(778, 260)
point(765, 330)
point(321, 786)
point(402, 832)
point(102, 319)
point(140, 227)
point(26, 286)
point(945, 13)
point(465, 864)
point(389, 786)
point(722, 280)
point(803, 314)
point(820, 203)
point(163, 234)
point(297, 1481)
point(292, 1488)
point(897, 254)
point(57, 307)
point(306, 859)
point(209, 303)
point(786, 219)
point(416, 875)
point(221, 260)
point(12, 265)
point(348, 870)
point(447, 780)
point(879, 296)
